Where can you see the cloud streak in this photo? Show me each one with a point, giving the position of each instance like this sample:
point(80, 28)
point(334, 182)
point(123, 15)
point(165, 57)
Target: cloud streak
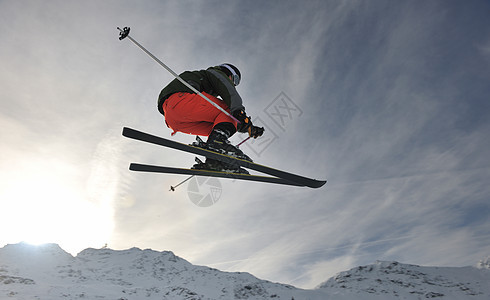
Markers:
point(394, 114)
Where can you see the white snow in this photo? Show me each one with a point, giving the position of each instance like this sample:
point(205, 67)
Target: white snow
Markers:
point(484, 263)
point(393, 279)
point(48, 272)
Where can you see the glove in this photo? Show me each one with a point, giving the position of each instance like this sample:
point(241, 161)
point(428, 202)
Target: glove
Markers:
point(245, 122)
point(246, 125)
point(255, 131)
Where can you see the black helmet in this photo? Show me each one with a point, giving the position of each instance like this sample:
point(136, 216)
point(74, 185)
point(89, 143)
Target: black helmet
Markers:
point(232, 71)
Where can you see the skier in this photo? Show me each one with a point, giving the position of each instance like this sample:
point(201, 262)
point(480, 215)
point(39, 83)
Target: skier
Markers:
point(188, 112)
point(181, 102)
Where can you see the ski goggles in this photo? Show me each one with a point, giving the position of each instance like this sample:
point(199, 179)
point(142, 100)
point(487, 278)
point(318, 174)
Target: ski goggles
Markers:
point(234, 76)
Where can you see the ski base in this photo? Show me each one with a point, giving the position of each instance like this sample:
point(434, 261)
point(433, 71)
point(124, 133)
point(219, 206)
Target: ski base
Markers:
point(209, 173)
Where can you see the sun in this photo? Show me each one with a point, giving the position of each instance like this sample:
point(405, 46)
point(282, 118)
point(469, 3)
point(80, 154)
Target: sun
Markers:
point(46, 204)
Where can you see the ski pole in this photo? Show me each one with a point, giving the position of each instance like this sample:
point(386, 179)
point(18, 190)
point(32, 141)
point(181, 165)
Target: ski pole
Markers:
point(242, 142)
point(125, 33)
point(172, 188)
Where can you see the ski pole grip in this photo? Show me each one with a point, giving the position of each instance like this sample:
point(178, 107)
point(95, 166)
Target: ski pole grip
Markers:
point(123, 32)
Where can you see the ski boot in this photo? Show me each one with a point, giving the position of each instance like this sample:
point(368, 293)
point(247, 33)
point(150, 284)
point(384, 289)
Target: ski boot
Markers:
point(218, 142)
point(216, 165)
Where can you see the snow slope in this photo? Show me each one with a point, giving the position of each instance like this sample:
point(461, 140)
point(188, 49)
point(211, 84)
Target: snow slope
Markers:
point(48, 272)
point(395, 280)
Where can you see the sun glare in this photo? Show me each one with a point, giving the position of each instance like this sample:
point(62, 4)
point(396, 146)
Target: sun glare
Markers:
point(51, 207)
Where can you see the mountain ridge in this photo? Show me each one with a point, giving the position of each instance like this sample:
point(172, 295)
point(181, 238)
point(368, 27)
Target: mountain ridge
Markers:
point(48, 272)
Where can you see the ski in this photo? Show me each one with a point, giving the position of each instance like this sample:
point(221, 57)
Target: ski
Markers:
point(247, 177)
point(145, 137)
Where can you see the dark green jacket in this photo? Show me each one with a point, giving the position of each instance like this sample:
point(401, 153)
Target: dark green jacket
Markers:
point(212, 81)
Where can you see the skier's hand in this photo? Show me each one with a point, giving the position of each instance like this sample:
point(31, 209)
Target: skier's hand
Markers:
point(246, 125)
point(255, 131)
point(245, 121)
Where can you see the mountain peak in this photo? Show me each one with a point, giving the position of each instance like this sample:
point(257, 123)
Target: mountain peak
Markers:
point(125, 274)
point(45, 253)
point(24, 247)
point(394, 279)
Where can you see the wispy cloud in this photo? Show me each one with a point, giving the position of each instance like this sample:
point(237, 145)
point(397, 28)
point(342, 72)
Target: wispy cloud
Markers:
point(394, 114)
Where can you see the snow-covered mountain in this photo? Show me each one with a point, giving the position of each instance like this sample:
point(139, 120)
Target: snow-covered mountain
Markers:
point(396, 280)
point(48, 272)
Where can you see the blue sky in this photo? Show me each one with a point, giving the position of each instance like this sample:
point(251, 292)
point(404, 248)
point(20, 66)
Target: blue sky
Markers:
point(388, 101)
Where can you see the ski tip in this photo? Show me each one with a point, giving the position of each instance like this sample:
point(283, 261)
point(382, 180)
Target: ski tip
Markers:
point(315, 184)
point(319, 184)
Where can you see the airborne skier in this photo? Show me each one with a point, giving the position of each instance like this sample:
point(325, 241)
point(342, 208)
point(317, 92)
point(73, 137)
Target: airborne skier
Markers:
point(181, 102)
point(188, 112)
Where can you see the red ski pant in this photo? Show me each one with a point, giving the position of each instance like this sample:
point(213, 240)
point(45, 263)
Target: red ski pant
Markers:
point(192, 114)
